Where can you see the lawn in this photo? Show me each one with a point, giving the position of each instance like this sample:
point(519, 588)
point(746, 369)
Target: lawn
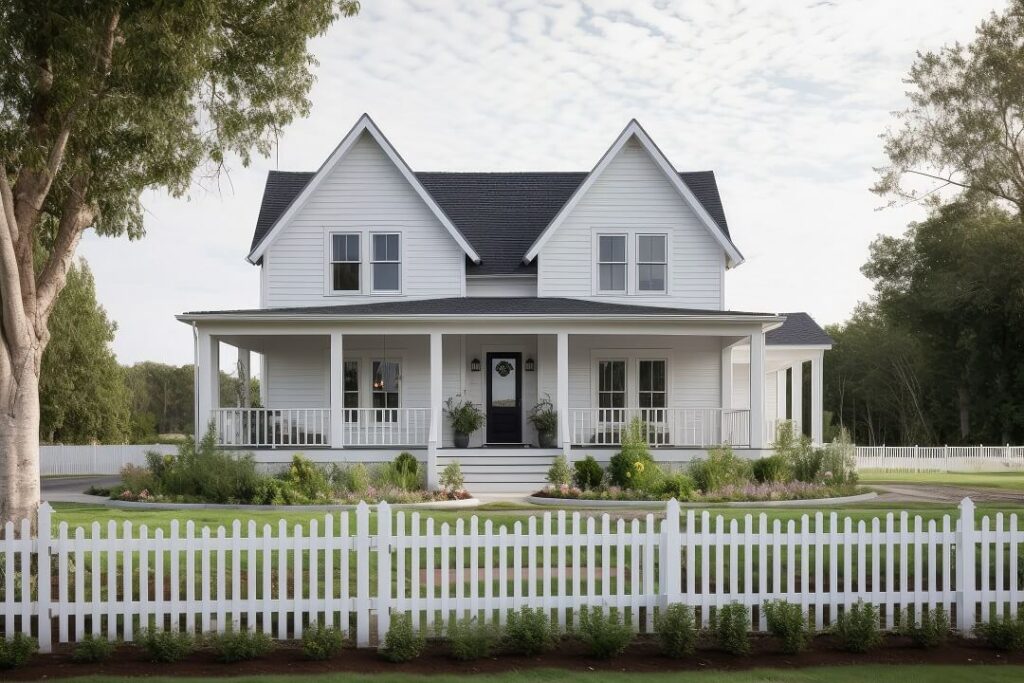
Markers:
point(1012, 481)
point(841, 674)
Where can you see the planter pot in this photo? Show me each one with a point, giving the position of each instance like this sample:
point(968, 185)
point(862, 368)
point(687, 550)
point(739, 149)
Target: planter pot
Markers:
point(461, 440)
point(546, 439)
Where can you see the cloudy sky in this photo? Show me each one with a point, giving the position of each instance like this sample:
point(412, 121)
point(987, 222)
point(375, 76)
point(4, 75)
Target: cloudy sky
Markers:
point(783, 99)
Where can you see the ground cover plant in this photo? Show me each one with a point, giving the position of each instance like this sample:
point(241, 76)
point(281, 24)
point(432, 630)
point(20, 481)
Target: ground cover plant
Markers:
point(1003, 633)
point(929, 629)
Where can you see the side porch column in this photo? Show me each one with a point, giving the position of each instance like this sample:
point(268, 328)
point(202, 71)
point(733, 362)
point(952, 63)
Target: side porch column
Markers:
point(244, 376)
point(562, 391)
point(780, 396)
point(817, 430)
point(796, 396)
point(757, 422)
point(337, 375)
point(436, 412)
point(725, 395)
point(207, 380)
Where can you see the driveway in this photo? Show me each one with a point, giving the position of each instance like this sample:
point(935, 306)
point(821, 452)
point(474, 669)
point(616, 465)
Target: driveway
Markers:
point(942, 493)
point(71, 489)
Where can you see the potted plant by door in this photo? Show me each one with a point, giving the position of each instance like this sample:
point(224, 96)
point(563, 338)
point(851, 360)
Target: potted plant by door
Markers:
point(544, 419)
point(465, 419)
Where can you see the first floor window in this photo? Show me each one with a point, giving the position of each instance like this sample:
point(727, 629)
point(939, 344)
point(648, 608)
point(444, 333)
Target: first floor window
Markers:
point(611, 263)
point(611, 384)
point(385, 389)
point(387, 263)
point(351, 391)
point(651, 387)
point(651, 263)
point(345, 262)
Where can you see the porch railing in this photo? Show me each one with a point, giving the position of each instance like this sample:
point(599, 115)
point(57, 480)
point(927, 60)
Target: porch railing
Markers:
point(684, 427)
point(257, 427)
point(386, 426)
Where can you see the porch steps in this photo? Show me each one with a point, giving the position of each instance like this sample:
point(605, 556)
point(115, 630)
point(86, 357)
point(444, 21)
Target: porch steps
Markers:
point(506, 470)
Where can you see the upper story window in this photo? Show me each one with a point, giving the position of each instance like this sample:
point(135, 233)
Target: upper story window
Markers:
point(651, 263)
point(611, 263)
point(386, 262)
point(345, 262)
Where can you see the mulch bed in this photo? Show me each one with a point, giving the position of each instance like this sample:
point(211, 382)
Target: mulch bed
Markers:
point(642, 657)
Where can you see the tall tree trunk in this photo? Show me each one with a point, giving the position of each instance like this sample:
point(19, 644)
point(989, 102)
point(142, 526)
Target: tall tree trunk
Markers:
point(19, 441)
point(964, 400)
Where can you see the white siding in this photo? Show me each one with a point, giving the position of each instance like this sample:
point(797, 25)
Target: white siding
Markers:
point(632, 194)
point(364, 192)
point(295, 372)
point(501, 286)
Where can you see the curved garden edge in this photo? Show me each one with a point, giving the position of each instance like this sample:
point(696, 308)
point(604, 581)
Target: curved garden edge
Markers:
point(660, 504)
point(328, 507)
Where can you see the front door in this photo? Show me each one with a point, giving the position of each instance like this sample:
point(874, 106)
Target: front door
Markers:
point(504, 398)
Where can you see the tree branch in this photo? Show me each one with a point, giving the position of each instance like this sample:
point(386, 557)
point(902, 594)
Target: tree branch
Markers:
point(76, 215)
point(15, 326)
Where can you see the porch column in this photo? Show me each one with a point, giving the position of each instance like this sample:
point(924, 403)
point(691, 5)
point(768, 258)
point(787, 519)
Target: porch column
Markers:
point(207, 380)
point(726, 390)
point(244, 375)
point(817, 430)
point(780, 395)
point(757, 422)
point(562, 390)
point(337, 379)
point(796, 396)
point(436, 412)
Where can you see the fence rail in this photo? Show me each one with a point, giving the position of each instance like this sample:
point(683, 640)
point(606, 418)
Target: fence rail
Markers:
point(684, 427)
point(255, 427)
point(95, 459)
point(280, 579)
point(940, 458)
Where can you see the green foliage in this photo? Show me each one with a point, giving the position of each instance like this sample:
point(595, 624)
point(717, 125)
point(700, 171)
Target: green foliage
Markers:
point(857, 628)
point(470, 638)
point(788, 622)
point(803, 461)
point(676, 630)
point(633, 467)
point(730, 626)
point(544, 417)
point(357, 479)
point(201, 472)
point(401, 642)
point(604, 633)
point(929, 630)
point(721, 468)
point(1003, 633)
point(529, 632)
point(17, 651)
point(307, 480)
point(587, 473)
point(464, 415)
point(162, 400)
point(771, 470)
point(321, 642)
point(403, 473)
point(92, 649)
point(838, 466)
point(167, 646)
point(678, 485)
point(560, 473)
point(451, 477)
point(239, 646)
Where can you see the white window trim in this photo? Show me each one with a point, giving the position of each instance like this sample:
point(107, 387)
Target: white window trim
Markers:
point(632, 358)
point(359, 388)
point(632, 251)
point(596, 375)
point(598, 263)
point(668, 383)
point(329, 262)
point(651, 292)
point(401, 262)
point(374, 358)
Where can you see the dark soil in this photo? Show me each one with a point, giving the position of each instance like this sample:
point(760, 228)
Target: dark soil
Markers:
point(642, 657)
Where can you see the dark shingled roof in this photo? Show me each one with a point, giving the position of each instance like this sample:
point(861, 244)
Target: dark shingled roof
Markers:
point(798, 330)
point(526, 305)
point(501, 214)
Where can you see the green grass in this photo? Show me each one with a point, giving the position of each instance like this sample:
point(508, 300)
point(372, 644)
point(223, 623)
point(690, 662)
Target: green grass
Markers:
point(839, 674)
point(1012, 481)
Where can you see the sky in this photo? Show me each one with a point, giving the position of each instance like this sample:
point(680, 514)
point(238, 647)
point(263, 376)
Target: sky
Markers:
point(783, 99)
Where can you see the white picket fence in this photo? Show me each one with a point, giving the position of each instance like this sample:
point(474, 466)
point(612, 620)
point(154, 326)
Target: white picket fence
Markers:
point(95, 459)
point(119, 580)
point(940, 458)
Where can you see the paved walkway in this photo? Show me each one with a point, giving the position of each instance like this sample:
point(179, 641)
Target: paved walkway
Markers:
point(72, 489)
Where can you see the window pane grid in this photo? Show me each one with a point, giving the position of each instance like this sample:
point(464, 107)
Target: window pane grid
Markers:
point(651, 388)
point(386, 262)
point(345, 261)
point(651, 263)
point(385, 390)
point(612, 263)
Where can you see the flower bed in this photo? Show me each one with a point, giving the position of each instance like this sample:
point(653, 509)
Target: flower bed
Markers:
point(750, 492)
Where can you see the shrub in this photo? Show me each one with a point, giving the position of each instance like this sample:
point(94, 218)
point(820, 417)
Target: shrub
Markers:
point(603, 633)
point(803, 459)
point(676, 630)
point(788, 622)
point(722, 468)
point(451, 477)
point(307, 480)
point(357, 479)
point(464, 416)
point(857, 628)
point(623, 468)
point(322, 642)
point(559, 474)
point(730, 626)
point(91, 649)
point(471, 638)
point(678, 485)
point(529, 632)
point(588, 473)
point(402, 643)
point(136, 479)
point(17, 651)
point(929, 630)
point(203, 472)
point(167, 646)
point(1003, 633)
point(544, 417)
point(837, 465)
point(771, 470)
point(239, 646)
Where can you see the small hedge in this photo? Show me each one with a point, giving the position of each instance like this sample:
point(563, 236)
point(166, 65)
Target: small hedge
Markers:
point(322, 642)
point(676, 629)
point(603, 633)
point(529, 632)
point(402, 643)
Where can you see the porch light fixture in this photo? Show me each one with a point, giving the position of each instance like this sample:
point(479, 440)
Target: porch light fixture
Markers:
point(474, 365)
point(530, 366)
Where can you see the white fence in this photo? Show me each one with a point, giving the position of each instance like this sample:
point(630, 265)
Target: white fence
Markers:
point(121, 579)
point(940, 458)
point(72, 460)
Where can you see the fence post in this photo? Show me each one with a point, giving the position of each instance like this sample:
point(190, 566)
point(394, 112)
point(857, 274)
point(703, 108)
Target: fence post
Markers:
point(668, 555)
point(945, 457)
point(363, 575)
point(43, 576)
point(917, 459)
point(965, 553)
point(383, 570)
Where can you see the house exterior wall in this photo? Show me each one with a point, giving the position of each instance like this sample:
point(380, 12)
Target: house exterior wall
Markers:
point(497, 285)
point(363, 193)
point(633, 196)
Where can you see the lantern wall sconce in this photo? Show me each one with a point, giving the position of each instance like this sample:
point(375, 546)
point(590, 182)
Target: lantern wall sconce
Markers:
point(530, 365)
point(474, 365)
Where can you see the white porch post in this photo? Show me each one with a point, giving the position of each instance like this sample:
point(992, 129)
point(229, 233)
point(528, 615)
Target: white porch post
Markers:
point(436, 413)
point(337, 374)
point(780, 395)
point(726, 390)
point(817, 428)
point(208, 381)
point(244, 375)
point(796, 396)
point(562, 390)
point(757, 422)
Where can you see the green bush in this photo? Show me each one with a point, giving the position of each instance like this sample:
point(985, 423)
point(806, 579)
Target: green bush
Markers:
point(838, 465)
point(588, 473)
point(307, 480)
point(857, 628)
point(788, 622)
point(238, 646)
point(357, 479)
point(559, 474)
point(676, 630)
point(471, 638)
point(772, 470)
point(322, 642)
point(803, 459)
point(402, 643)
point(91, 649)
point(403, 473)
point(633, 467)
point(930, 630)
point(451, 477)
point(167, 646)
point(529, 632)
point(1003, 633)
point(678, 485)
point(604, 633)
point(730, 626)
point(202, 472)
point(721, 468)
point(17, 651)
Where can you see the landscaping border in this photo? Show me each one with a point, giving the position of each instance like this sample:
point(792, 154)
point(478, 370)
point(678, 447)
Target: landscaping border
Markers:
point(329, 507)
point(544, 501)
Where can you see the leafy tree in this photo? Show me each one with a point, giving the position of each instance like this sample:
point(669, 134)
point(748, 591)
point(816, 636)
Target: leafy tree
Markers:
point(161, 399)
point(82, 392)
point(100, 101)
